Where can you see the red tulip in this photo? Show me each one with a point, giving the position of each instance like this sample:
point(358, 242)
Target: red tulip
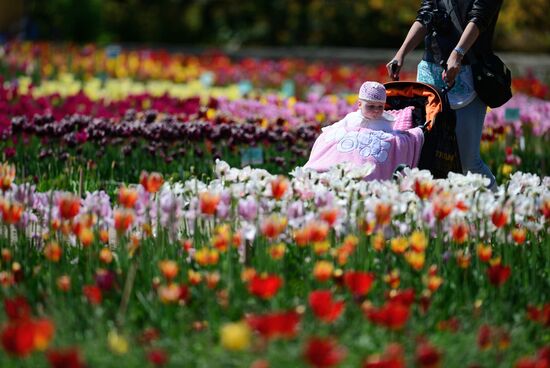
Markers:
point(359, 283)
point(393, 357)
point(427, 356)
point(17, 308)
point(265, 286)
point(540, 315)
point(93, 294)
point(498, 274)
point(157, 357)
point(484, 339)
point(66, 358)
point(323, 352)
point(274, 325)
point(324, 307)
point(18, 338)
point(405, 297)
point(392, 315)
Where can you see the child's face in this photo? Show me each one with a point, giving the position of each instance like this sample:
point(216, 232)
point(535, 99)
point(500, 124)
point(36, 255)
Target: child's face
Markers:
point(371, 110)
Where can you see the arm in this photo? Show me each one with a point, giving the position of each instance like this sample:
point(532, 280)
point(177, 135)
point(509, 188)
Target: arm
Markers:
point(413, 39)
point(469, 36)
point(480, 16)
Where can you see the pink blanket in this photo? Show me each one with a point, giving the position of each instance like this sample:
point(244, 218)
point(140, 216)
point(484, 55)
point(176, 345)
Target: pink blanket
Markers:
point(383, 142)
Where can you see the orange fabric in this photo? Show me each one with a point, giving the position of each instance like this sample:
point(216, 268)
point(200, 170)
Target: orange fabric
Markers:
point(433, 106)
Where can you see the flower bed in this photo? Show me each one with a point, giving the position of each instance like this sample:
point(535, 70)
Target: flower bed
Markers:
point(320, 270)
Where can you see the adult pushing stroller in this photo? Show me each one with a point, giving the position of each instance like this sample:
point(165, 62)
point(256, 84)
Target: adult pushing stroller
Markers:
point(439, 153)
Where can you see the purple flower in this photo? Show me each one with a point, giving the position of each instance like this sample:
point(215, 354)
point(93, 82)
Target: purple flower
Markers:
point(248, 209)
point(295, 210)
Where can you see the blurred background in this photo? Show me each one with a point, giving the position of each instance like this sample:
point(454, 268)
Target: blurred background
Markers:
point(524, 25)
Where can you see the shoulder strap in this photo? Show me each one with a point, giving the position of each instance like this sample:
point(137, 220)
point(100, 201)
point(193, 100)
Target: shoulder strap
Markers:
point(452, 9)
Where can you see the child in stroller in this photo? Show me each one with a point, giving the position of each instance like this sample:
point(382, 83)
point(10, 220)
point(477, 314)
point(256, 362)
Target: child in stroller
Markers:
point(385, 139)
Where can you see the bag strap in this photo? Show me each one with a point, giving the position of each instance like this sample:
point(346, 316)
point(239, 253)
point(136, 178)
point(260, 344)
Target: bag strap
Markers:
point(452, 9)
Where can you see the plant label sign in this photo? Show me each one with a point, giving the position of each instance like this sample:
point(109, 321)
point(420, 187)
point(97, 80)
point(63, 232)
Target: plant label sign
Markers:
point(511, 115)
point(252, 156)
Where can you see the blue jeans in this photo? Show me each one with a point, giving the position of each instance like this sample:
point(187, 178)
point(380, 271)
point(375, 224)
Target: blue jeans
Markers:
point(469, 125)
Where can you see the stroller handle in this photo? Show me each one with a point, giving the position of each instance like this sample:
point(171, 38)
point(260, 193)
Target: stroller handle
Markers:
point(447, 87)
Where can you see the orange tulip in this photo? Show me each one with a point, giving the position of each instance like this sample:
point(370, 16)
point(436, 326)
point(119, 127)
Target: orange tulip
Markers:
point(6, 255)
point(519, 235)
point(484, 252)
point(194, 277)
point(302, 236)
point(221, 238)
point(53, 252)
point(86, 237)
point(460, 233)
point(209, 203)
point(434, 282)
point(418, 241)
point(442, 206)
point(277, 251)
point(279, 186)
point(169, 269)
point(104, 236)
point(322, 271)
point(105, 255)
point(321, 247)
point(151, 182)
point(7, 175)
point(399, 245)
point(423, 189)
point(415, 259)
point(124, 218)
point(237, 239)
point(378, 242)
point(127, 197)
point(206, 257)
point(247, 274)
point(69, 206)
point(367, 226)
point(329, 215)
point(499, 218)
point(11, 212)
point(64, 283)
point(393, 279)
point(318, 231)
point(382, 213)
point(463, 259)
point(273, 226)
point(43, 333)
point(169, 293)
point(212, 279)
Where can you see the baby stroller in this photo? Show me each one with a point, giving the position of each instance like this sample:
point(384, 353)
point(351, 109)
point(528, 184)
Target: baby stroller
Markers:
point(439, 153)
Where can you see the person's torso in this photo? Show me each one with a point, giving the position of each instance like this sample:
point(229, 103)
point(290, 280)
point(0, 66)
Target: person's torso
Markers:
point(441, 40)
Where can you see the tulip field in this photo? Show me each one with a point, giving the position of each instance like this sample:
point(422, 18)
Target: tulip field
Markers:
point(155, 212)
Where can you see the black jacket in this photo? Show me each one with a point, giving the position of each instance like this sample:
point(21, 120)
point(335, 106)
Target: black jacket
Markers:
point(483, 13)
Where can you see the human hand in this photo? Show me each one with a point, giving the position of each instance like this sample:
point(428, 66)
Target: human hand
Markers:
point(453, 68)
point(394, 67)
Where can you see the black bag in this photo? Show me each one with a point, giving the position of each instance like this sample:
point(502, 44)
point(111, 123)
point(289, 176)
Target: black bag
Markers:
point(492, 80)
